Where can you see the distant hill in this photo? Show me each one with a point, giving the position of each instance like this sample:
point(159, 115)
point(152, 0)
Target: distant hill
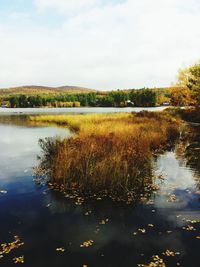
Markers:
point(46, 90)
point(41, 90)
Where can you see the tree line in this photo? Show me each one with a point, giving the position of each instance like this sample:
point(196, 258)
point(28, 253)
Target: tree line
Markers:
point(140, 98)
point(183, 94)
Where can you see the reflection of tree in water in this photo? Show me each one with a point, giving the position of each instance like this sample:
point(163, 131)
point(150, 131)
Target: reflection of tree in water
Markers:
point(14, 119)
point(20, 120)
point(23, 120)
point(188, 150)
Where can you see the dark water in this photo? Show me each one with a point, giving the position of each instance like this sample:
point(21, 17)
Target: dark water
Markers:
point(44, 220)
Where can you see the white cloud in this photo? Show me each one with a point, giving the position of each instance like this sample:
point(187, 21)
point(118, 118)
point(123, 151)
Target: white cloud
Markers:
point(74, 6)
point(66, 5)
point(131, 44)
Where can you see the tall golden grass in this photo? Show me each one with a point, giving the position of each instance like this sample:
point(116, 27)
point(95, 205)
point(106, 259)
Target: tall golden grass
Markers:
point(108, 152)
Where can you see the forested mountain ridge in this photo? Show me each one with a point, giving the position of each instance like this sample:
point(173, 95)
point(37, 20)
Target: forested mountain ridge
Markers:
point(40, 90)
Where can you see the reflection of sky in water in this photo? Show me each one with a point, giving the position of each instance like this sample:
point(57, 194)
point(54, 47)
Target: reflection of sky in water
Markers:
point(177, 175)
point(19, 147)
point(179, 181)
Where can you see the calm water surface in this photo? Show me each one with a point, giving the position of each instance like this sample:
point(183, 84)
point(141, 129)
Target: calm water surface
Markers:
point(45, 220)
point(74, 110)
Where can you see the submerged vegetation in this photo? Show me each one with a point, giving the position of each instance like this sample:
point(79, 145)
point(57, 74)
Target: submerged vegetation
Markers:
point(109, 154)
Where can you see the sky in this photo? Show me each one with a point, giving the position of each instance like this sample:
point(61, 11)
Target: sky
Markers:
point(101, 44)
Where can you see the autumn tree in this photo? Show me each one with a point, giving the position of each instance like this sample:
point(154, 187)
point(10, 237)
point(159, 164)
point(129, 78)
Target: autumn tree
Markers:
point(190, 78)
point(181, 96)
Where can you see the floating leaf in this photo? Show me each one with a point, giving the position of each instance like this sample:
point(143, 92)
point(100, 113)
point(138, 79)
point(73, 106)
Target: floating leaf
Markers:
point(87, 244)
point(8, 247)
point(104, 221)
point(60, 249)
point(156, 262)
point(189, 228)
point(172, 198)
point(142, 230)
point(169, 253)
point(18, 259)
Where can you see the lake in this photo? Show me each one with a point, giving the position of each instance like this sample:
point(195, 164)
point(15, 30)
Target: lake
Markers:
point(74, 110)
point(123, 235)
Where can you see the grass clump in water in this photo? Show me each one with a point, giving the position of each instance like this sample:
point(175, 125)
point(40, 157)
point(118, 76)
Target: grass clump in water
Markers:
point(110, 154)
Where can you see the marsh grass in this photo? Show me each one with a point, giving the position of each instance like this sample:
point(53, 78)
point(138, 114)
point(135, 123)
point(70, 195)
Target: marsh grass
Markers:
point(109, 153)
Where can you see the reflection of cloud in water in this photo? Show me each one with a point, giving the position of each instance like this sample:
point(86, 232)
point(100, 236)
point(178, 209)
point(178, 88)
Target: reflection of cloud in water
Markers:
point(179, 181)
point(176, 175)
point(19, 148)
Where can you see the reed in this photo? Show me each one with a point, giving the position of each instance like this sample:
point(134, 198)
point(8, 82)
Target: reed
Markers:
point(109, 153)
